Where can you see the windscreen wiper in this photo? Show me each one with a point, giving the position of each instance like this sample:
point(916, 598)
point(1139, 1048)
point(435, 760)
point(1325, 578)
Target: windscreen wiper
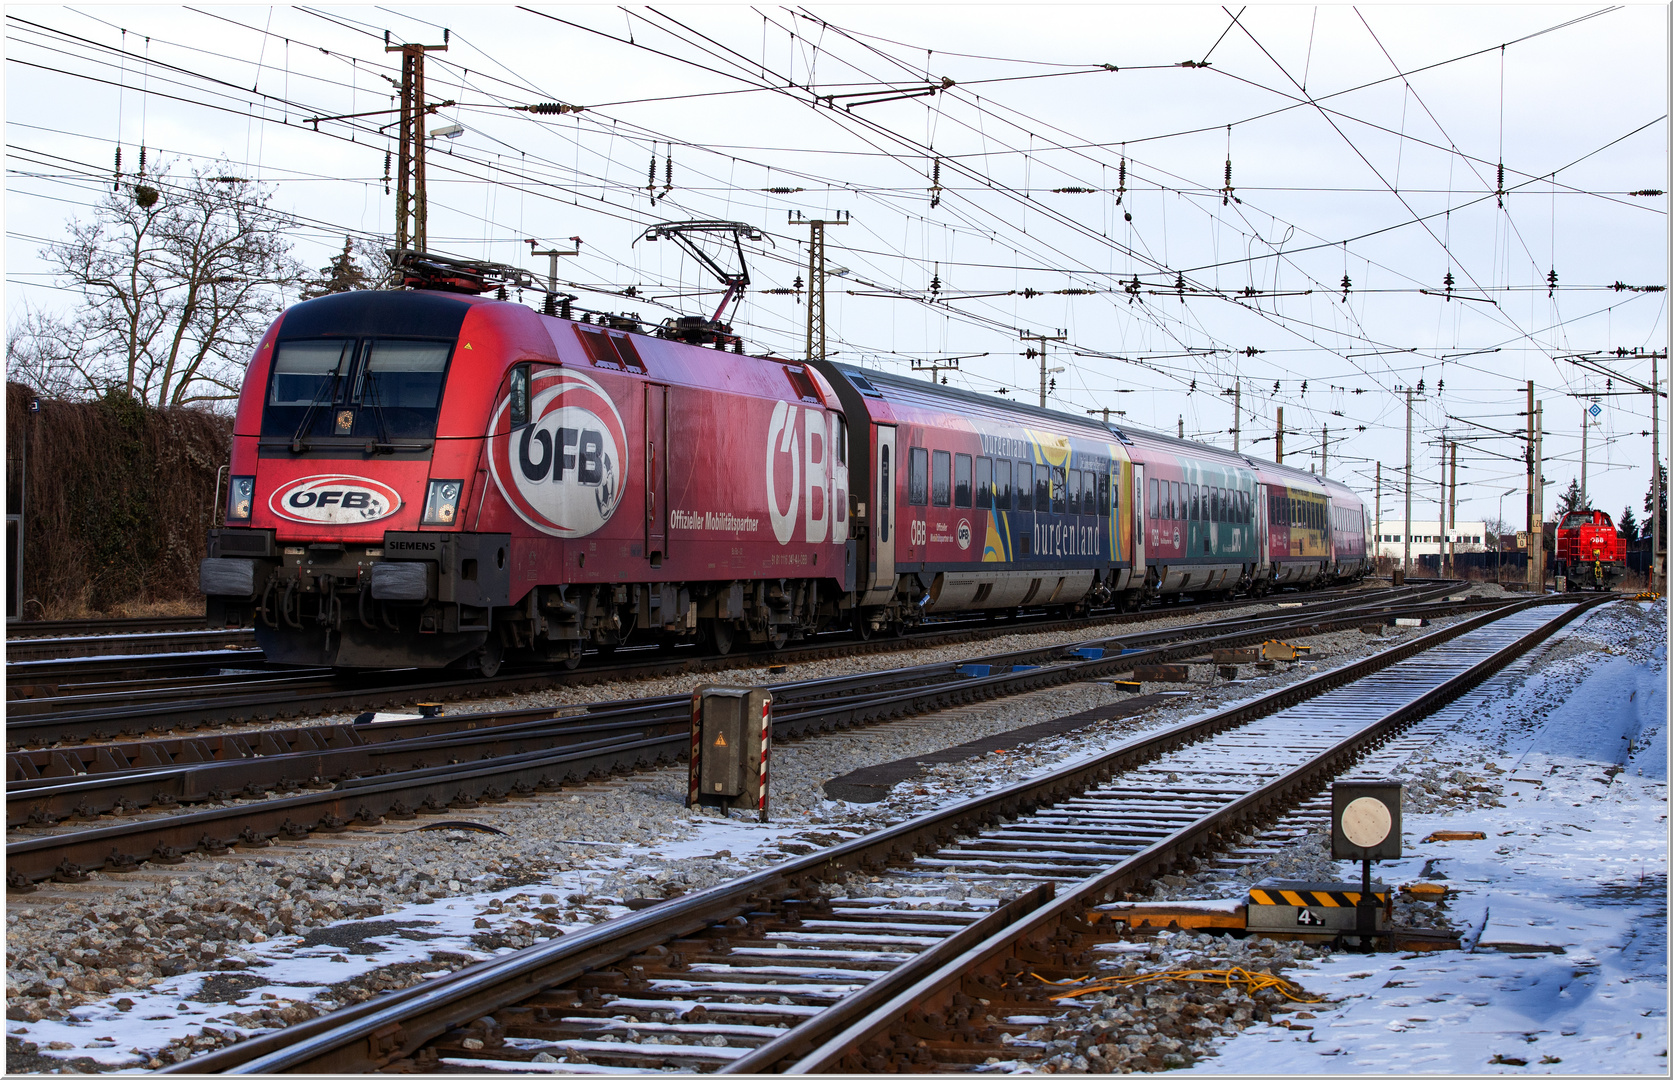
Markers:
point(297, 442)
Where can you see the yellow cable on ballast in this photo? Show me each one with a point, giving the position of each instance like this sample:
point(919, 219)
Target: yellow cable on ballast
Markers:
point(1251, 981)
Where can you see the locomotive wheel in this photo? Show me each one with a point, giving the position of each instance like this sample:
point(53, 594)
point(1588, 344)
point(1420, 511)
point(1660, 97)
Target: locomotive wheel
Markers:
point(719, 635)
point(777, 638)
point(862, 625)
point(487, 659)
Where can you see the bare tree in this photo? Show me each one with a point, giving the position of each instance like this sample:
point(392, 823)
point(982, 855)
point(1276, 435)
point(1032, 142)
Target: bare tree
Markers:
point(44, 353)
point(178, 281)
point(1496, 528)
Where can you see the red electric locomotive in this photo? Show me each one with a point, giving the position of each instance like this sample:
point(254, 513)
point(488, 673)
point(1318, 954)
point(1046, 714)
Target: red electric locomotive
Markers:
point(1589, 550)
point(423, 479)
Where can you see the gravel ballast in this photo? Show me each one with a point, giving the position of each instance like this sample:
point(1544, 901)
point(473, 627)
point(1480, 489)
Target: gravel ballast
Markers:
point(569, 859)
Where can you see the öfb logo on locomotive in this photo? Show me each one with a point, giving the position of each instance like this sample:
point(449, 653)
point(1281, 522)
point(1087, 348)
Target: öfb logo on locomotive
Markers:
point(562, 472)
point(334, 499)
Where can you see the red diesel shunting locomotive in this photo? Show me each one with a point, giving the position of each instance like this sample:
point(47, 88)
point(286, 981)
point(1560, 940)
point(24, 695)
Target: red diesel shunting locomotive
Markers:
point(1589, 550)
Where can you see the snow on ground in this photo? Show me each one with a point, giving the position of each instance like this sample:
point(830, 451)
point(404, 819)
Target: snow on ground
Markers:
point(1563, 905)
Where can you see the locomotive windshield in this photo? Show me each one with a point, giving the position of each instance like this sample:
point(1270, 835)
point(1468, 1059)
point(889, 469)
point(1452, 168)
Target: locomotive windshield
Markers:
point(367, 389)
point(1577, 519)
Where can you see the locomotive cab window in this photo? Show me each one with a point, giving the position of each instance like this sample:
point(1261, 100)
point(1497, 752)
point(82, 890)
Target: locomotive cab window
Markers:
point(375, 389)
point(304, 372)
point(917, 476)
point(519, 396)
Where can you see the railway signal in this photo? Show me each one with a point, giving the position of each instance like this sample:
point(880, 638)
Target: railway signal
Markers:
point(1365, 825)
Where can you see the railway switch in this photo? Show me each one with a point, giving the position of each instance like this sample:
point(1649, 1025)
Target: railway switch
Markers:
point(731, 741)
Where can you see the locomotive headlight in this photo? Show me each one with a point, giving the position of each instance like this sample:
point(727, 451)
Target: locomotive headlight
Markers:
point(441, 502)
point(241, 495)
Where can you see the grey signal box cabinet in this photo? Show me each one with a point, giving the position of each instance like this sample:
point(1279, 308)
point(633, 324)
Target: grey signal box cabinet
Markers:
point(731, 741)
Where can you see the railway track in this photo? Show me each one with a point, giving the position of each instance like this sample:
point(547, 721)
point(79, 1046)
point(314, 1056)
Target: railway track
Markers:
point(769, 974)
point(131, 711)
point(130, 646)
point(281, 785)
point(81, 627)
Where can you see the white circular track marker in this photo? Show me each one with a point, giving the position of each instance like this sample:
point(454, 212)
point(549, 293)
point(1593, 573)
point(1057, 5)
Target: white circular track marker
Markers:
point(1366, 822)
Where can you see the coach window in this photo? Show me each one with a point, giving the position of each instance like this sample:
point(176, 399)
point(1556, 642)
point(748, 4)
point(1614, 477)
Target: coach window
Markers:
point(1059, 495)
point(961, 480)
point(1025, 486)
point(1178, 502)
point(1105, 484)
point(519, 395)
point(1074, 492)
point(1002, 484)
point(1194, 496)
point(941, 479)
point(1042, 489)
point(917, 476)
point(1155, 510)
point(984, 483)
point(1089, 492)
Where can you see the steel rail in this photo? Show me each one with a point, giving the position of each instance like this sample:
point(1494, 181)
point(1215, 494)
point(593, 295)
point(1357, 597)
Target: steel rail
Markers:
point(43, 721)
point(25, 767)
point(63, 627)
point(567, 749)
point(828, 1047)
point(46, 649)
point(371, 1034)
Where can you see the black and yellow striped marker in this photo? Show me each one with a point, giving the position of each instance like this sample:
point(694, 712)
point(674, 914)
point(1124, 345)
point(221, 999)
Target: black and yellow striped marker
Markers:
point(1310, 897)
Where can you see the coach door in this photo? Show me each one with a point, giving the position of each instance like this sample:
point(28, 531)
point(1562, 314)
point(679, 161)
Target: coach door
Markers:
point(1263, 526)
point(880, 582)
point(656, 473)
point(1138, 513)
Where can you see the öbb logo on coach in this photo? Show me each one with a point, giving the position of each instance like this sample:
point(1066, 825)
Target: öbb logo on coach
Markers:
point(334, 499)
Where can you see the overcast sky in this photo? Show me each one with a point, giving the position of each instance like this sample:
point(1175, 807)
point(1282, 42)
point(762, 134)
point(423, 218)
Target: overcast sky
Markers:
point(1364, 144)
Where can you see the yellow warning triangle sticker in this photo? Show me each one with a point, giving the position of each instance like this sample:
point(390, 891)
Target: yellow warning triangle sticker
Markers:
point(720, 740)
point(467, 345)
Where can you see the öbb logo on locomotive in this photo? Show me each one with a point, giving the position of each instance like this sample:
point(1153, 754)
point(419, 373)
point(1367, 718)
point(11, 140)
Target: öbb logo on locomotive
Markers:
point(562, 472)
point(334, 499)
point(812, 465)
